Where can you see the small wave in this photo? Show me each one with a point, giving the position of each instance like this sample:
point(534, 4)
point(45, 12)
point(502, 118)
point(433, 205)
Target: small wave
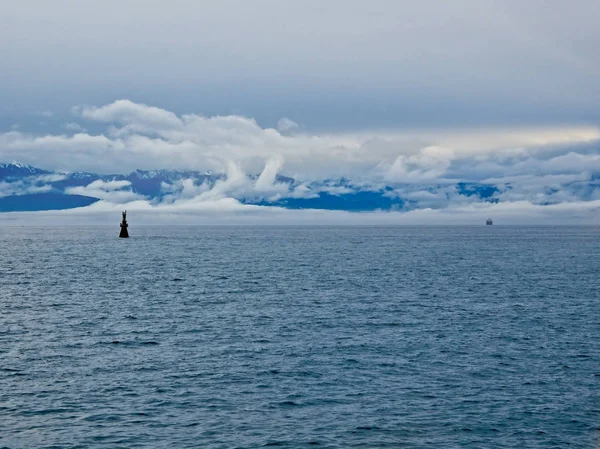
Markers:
point(135, 343)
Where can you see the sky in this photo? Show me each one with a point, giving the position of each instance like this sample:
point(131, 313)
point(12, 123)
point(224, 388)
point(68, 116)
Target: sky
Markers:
point(340, 64)
point(381, 91)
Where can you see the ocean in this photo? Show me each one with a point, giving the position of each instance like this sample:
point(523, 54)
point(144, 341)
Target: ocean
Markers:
point(297, 337)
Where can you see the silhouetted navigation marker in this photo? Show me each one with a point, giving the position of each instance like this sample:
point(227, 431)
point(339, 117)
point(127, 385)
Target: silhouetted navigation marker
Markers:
point(124, 234)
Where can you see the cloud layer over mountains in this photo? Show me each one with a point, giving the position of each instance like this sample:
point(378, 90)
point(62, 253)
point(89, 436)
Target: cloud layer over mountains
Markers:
point(525, 168)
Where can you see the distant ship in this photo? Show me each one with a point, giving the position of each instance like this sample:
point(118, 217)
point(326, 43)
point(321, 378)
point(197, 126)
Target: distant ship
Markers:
point(489, 222)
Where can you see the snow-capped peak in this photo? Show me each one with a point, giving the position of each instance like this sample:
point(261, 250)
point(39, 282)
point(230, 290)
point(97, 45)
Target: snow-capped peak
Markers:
point(15, 164)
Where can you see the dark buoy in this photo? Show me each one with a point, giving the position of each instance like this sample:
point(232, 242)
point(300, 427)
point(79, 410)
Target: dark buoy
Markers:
point(124, 234)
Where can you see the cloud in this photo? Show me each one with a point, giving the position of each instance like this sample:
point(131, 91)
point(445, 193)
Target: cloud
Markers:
point(29, 185)
point(146, 137)
point(125, 112)
point(540, 166)
point(285, 125)
point(428, 164)
point(266, 182)
point(21, 188)
point(115, 192)
point(76, 127)
point(230, 211)
point(348, 63)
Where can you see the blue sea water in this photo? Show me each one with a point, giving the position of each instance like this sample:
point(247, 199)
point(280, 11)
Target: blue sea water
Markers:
point(332, 337)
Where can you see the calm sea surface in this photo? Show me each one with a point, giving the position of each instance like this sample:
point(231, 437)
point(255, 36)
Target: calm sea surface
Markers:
point(233, 337)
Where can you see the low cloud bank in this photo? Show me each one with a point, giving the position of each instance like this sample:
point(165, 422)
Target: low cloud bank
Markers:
point(231, 212)
point(534, 174)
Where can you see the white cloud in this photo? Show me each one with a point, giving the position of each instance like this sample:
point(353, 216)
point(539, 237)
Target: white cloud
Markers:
point(428, 164)
point(266, 182)
point(230, 211)
point(22, 188)
point(125, 112)
point(76, 127)
point(285, 125)
point(110, 191)
point(51, 177)
point(146, 137)
point(537, 166)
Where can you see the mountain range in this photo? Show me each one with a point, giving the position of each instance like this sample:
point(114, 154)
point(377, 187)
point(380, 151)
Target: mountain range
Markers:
point(27, 188)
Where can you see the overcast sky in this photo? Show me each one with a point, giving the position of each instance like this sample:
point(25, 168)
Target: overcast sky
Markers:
point(335, 64)
point(407, 93)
